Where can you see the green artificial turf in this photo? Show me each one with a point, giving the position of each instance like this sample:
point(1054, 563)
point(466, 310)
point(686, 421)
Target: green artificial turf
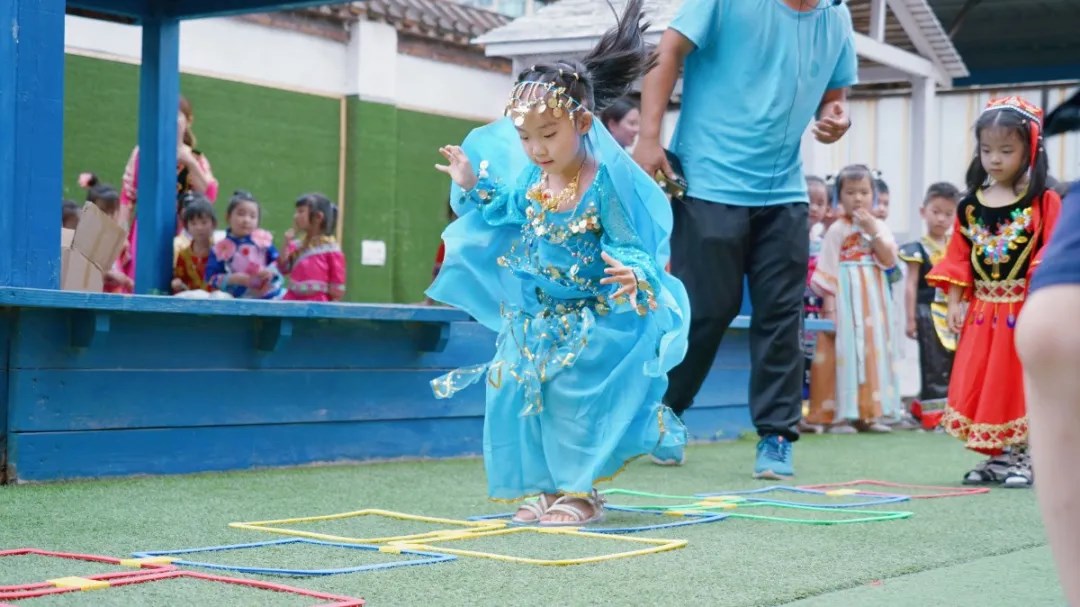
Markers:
point(953, 551)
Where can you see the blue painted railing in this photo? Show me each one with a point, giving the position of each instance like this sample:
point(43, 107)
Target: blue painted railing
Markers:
point(104, 385)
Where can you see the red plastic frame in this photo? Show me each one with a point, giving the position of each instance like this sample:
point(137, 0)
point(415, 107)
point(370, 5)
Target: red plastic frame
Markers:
point(136, 578)
point(941, 491)
point(5, 591)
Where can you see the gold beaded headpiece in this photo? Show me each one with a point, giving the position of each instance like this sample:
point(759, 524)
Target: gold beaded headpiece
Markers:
point(529, 95)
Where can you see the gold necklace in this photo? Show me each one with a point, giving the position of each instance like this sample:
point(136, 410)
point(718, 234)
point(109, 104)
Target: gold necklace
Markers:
point(552, 203)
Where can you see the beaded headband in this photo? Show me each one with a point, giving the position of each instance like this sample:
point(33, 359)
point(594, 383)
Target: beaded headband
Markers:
point(1027, 110)
point(529, 95)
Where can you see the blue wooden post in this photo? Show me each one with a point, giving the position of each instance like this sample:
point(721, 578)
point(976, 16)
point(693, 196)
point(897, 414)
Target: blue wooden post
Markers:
point(31, 141)
point(159, 91)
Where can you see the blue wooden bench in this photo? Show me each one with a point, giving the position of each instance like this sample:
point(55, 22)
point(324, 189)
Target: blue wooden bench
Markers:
point(104, 385)
point(100, 385)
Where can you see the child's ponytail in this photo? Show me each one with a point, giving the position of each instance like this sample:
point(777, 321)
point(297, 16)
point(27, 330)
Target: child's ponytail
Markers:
point(103, 195)
point(609, 70)
point(620, 58)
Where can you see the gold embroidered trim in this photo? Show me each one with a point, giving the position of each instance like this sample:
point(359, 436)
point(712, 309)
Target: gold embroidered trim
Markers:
point(1001, 291)
point(985, 436)
point(948, 279)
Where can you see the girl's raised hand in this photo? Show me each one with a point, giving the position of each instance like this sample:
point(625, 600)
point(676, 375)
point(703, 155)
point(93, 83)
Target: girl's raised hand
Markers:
point(459, 169)
point(619, 273)
point(865, 221)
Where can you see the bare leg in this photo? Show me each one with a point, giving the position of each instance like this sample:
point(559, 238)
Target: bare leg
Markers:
point(1048, 341)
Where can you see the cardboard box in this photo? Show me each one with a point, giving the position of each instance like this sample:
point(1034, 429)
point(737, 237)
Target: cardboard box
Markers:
point(98, 237)
point(79, 274)
point(89, 251)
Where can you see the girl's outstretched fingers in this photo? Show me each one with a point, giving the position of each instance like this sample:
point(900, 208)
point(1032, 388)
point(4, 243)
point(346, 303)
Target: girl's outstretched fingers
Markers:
point(621, 274)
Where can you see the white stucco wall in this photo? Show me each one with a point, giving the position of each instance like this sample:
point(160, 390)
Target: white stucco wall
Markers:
point(226, 48)
point(368, 65)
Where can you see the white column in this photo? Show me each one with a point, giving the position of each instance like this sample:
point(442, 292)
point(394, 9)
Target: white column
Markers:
point(922, 121)
point(371, 66)
point(877, 20)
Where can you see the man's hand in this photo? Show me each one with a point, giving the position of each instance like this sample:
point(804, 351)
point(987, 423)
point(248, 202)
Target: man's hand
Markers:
point(834, 122)
point(649, 154)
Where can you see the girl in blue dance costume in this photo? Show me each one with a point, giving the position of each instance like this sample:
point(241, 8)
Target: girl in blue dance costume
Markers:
point(561, 247)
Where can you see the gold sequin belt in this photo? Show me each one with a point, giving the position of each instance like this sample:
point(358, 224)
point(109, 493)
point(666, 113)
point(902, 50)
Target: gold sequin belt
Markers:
point(1001, 291)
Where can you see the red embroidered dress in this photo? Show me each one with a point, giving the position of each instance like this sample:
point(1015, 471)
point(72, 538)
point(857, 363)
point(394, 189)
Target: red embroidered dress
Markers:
point(191, 270)
point(991, 256)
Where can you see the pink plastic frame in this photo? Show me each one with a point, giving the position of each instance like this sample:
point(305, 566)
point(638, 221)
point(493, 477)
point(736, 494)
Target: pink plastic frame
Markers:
point(147, 568)
point(334, 600)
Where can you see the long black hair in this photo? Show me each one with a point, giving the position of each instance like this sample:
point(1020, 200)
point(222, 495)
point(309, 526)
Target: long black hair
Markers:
point(608, 71)
point(1007, 118)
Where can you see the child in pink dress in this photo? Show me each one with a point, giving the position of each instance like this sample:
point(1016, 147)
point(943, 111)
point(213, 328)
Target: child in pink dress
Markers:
point(314, 268)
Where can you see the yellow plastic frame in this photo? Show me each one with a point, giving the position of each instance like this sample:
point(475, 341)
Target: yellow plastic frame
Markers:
point(654, 545)
point(464, 526)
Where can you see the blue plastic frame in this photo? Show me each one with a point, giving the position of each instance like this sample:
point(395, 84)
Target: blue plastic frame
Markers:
point(431, 558)
point(875, 500)
point(688, 518)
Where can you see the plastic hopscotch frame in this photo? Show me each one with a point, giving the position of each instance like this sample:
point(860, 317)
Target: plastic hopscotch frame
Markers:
point(652, 545)
point(856, 516)
point(687, 519)
point(269, 526)
point(139, 567)
point(75, 585)
point(680, 503)
point(874, 499)
point(940, 491)
point(429, 558)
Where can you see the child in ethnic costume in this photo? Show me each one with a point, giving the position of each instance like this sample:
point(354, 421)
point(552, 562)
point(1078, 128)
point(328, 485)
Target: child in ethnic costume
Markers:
point(189, 271)
point(244, 263)
point(818, 193)
point(926, 306)
point(560, 247)
point(1001, 228)
point(1048, 339)
point(854, 380)
point(314, 268)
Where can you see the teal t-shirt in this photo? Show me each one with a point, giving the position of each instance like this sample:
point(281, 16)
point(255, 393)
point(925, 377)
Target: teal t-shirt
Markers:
point(750, 88)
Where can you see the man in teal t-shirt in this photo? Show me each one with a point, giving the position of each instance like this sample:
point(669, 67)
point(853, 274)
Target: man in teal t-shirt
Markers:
point(756, 73)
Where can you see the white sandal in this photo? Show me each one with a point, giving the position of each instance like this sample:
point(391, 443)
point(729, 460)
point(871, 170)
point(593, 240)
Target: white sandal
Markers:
point(536, 508)
point(564, 505)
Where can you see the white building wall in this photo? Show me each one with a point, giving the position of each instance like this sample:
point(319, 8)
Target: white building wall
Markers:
point(368, 66)
point(226, 48)
point(451, 90)
point(881, 138)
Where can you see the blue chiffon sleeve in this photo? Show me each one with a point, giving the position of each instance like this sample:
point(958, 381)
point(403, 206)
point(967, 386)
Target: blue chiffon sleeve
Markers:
point(499, 204)
point(622, 242)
